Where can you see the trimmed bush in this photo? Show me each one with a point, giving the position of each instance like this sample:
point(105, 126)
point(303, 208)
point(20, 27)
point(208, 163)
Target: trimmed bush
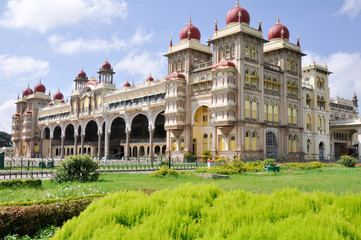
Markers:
point(165, 171)
point(347, 161)
point(33, 183)
point(27, 220)
point(208, 212)
point(269, 162)
point(189, 157)
point(76, 168)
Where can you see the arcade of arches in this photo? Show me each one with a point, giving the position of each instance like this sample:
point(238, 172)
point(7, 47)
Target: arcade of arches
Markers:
point(139, 138)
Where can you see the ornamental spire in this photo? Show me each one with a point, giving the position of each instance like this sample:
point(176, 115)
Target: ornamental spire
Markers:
point(278, 19)
point(215, 25)
point(260, 25)
point(239, 16)
point(171, 41)
point(298, 40)
point(237, 4)
point(190, 20)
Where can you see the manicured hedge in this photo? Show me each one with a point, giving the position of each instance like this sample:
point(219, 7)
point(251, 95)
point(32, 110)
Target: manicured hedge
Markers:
point(27, 218)
point(35, 183)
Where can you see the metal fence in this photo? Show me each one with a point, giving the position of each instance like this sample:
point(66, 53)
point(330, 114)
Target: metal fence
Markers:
point(22, 168)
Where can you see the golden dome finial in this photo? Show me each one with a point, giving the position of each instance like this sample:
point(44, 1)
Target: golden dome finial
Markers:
point(237, 4)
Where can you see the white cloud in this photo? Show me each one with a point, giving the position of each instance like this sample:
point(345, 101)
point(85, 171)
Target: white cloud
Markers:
point(345, 79)
point(11, 66)
point(351, 7)
point(142, 64)
point(73, 46)
point(7, 109)
point(43, 15)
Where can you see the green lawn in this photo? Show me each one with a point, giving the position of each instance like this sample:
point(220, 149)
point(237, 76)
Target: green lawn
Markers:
point(337, 180)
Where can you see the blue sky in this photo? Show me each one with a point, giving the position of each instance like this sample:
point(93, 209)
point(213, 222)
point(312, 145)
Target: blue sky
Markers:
point(53, 40)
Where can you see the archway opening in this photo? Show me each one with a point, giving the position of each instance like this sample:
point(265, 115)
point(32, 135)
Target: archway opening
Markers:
point(91, 133)
point(139, 132)
point(69, 136)
point(271, 145)
point(117, 137)
point(201, 131)
point(159, 132)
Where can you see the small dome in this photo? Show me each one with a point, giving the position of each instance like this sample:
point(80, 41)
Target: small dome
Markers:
point(223, 64)
point(190, 28)
point(176, 75)
point(62, 101)
point(150, 78)
point(39, 87)
point(58, 96)
point(92, 81)
point(275, 32)
point(28, 112)
point(127, 84)
point(82, 74)
point(232, 15)
point(27, 91)
point(17, 115)
point(106, 65)
point(51, 104)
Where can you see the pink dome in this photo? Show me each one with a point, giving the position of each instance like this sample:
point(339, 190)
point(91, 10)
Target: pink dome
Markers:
point(194, 32)
point(275, 32)
point(127, 84)
point(58, 96)
point(150, 78)
point(82, 74)
point(92, 81)
point(223, 64)
point(106, 65)
point(232, 15)
point(176, 75)
point(39, 87)
point(17, 115)
point(27, 91)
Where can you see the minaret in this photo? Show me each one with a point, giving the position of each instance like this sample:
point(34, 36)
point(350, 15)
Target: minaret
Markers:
point(80, 80)
point(106, 73)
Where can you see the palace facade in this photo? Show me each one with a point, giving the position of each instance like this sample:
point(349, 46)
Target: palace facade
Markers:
point(238, 94)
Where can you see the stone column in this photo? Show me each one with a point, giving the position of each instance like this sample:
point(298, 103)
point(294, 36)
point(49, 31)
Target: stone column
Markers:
point(41, 148)
point(151, 131)
point(82, 136)
point(75, 143)
point(106, 142)
point(62, 147)
point(127, 135)
point(100, 135)
point(50, 147)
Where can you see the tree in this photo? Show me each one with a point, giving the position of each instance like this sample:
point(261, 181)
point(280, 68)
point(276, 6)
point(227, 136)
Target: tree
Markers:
point(5, 140)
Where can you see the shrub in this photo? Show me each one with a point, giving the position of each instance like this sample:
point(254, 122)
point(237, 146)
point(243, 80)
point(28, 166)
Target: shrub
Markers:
point(189, 157)
point(347, 161)
point(165, 171)
point(223, 169)
point(77, 168)
point(221, 161)
point(206, 152)
point(269, 162)
point(34, 183)
point(188, 211)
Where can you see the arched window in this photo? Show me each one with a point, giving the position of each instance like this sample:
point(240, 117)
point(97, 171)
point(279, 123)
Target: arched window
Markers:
point(247, 77)
point(233, 51)
point(293, 65)
point(254, 79)
point(318, 122)
point(289, 143)
point(294, 115)
point(270, 111)
point(247, 51)
point(288, 64)
point(221, 143)
point(248, 141)
point(308, 100)
point(183, 64)
point(289, 87)
point(220, 54)
point(174, 145)
point(179, 65)
point(318, 82)
point(308, 146)
point(254, 108)
point(275, 85)
point(232, 144)
point(182, 144)
point(308, 122)
point(323, 122)
point(322, 84)
point(247, 107)
point(275, 113)
point(289, 114)
point(254, 53)
point(254, 141)
point(228, 52)
point(265, 110)
point(174, 66)
point(205, 136)
point(294, 144)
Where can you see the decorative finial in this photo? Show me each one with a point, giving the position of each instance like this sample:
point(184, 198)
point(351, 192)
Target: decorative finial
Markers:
point(18, 95)
point(190, 20)
point(260, 25)
point(215, 25)
point(278, 19)
point(49, 93)
point(237, 4)
point(239, 16)
point(282, 32)
point(171, 41)
point(298, 40)
point(39, 80)
point(189, 34)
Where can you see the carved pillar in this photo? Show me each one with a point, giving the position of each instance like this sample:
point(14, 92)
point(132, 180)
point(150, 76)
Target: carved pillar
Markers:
point(106, 142)
point(41, 147)
point(127, 138)
point(51, 147)
point(75, 143)
point(62, 147)
point(151, 131)
point(82, 136)
point(100, 135)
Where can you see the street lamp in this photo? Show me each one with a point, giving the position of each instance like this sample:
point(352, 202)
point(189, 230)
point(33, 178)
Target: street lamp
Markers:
point(213, 121)
point(106, 109)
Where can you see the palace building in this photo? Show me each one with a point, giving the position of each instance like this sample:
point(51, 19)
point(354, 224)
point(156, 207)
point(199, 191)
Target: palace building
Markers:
point(238, 94)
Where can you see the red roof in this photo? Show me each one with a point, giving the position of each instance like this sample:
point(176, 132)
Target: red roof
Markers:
point(223, 64)
point(58, 96)
point(17, 115)
point(28, 112)
point(232, 15)
point(150, 78)
point(275, 31)
point(176, 75)
point(39, 87)
point(127, 84)
point(106, 65)
point(27, 91)
point(82, 74)
point(194, 32)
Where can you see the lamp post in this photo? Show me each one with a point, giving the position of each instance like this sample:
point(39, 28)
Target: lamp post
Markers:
point(213, 121)
point(106, 109)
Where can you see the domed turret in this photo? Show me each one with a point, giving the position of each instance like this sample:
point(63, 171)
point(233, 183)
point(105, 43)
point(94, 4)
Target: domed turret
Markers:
point(27, 91)
point(106, 65)
point(190, 32)
point(39, 87)
point(82, 74)
point(58, 95)
point(238, 14)
point(278, 31)
point(92, 81)
point(127, 84)
point(150, 78)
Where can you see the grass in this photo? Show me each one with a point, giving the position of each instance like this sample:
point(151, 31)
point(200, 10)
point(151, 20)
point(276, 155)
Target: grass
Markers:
point(336, 180)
